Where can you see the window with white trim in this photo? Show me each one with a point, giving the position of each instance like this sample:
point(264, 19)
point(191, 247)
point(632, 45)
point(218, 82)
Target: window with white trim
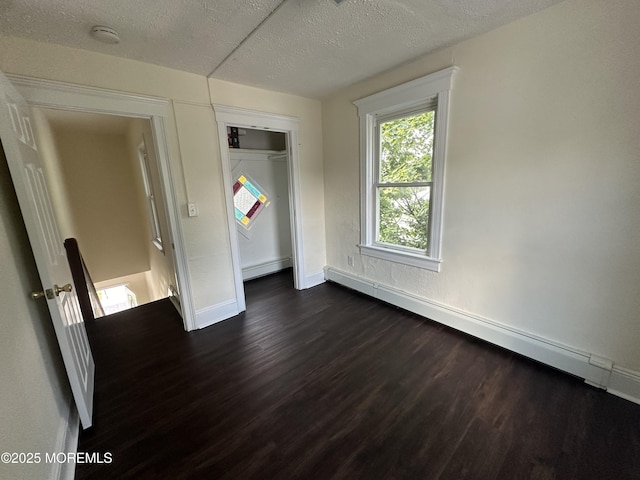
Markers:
point(403, 133)
point(156, 235)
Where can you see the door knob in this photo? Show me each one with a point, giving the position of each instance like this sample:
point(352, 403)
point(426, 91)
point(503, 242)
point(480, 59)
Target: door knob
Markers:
point(48, 293)
point(66, 288)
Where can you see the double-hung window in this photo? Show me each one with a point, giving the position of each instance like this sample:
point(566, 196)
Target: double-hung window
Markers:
point(403, 141)
point(156, 235)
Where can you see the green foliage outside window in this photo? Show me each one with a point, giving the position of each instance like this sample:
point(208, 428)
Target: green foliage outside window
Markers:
point(406, 150)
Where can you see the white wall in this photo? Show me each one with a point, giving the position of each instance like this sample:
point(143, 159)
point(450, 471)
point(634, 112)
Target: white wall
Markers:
point(541, 215)
point(35, 397)
point(207, 235)
point(40, 60)
point(268, 242)
point(31, 411)
point(193, 148)
point(108, 217)
point(125, 173)
point(161, 272)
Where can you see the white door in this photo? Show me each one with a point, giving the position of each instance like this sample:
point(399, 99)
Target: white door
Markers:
point(27, 173)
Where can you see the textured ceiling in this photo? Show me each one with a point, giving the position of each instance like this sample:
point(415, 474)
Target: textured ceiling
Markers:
point(306, 47)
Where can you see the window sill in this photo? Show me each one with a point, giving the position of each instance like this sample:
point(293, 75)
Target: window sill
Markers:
point(406, 258)
point(158, 245)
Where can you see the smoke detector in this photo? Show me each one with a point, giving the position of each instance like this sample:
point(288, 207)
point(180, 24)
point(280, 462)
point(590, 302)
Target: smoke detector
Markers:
point(105, 34)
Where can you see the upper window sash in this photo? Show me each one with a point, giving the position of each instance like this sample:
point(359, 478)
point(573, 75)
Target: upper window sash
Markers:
point(429, 106)
point(397, 102)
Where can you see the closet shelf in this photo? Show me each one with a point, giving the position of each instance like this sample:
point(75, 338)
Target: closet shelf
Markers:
point(264, 152)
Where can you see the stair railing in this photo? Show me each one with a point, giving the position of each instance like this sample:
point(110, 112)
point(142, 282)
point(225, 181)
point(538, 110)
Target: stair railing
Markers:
point(87, 295)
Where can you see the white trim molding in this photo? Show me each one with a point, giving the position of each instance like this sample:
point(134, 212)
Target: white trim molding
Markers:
point(596, 371)
point(431, 92)
point(40, 92)
point(625, 383)
point(66, 96)
point(314, 280)
point(67, 442)
point(265, 268)
point(208, 316)
point(239, 117)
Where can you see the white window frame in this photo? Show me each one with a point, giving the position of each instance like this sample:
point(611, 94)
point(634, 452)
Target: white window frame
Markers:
point(154, 220)
point(406, 98)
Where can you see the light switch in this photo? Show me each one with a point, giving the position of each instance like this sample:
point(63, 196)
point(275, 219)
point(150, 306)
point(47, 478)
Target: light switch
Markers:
point(192, 209)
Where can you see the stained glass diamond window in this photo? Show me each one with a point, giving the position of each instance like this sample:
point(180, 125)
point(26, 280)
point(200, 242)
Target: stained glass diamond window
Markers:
point(248, 200)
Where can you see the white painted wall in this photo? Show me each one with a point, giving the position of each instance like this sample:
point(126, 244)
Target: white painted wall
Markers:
point(544, 114)
point(269, 238)
point(35, 397)
point(161, 272)
point(542, 201)
point(193, 148)
point(207, 235)
point(104, 203)
point(125, 173)
point(32, 411)
point(55, 62)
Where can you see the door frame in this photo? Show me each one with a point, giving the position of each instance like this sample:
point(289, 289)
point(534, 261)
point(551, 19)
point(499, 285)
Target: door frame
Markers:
point(238, 117)
point(65, 96)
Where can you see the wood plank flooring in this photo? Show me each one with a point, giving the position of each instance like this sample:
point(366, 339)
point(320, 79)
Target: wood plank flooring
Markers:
point(329, 384)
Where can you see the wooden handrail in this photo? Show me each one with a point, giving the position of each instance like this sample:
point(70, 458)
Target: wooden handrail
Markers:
point(87, 296)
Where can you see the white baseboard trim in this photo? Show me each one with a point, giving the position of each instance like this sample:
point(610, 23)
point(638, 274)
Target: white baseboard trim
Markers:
point(596, 371)
point(625, 383)
point(67, 442)
point(265, 268)
point(216, 313)
point(175, 300)
point(313, 280)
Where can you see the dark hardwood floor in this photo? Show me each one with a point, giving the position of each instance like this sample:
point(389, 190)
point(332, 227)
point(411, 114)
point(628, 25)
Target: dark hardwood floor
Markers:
point(328, 384)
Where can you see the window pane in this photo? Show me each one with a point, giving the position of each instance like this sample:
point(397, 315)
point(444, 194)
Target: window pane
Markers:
point(248, 200)
point(406, 148)
point(404, 216)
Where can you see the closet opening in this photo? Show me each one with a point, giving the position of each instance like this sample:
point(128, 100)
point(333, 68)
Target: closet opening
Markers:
point(259, 165)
